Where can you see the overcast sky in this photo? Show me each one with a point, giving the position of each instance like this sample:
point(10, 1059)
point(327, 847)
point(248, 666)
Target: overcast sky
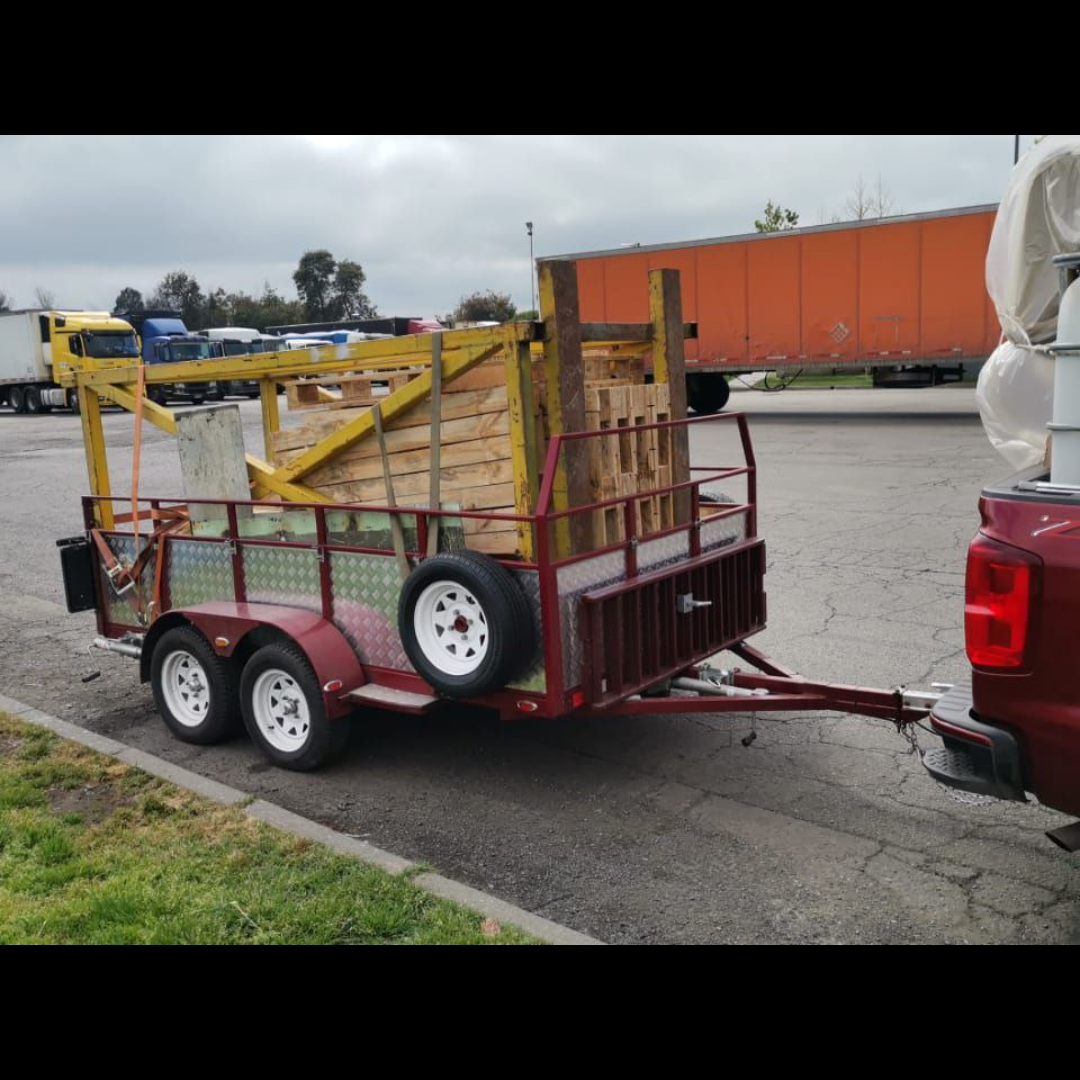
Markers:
point(430, 217)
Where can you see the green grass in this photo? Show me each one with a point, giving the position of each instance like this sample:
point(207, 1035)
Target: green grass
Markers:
point(94, 851)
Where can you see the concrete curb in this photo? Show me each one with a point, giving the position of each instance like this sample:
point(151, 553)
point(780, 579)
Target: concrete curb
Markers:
point(277, 816)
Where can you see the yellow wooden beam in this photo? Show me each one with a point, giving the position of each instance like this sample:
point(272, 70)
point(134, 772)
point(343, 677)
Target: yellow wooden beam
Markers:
point(158, 415)
point(271, 416)
point(265, 484)
point(378, 355)
point(400, 401)
point(519, 394)
point(97, 462)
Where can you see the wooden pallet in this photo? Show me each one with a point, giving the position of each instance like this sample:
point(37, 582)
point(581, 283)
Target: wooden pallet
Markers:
point(357, 388)
point(632, 463)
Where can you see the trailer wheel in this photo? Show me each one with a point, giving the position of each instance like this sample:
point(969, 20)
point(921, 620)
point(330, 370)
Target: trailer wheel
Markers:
point(17, 399)
point(707, 393)
point(465, 623)
point(284, 712)
point(194, 688)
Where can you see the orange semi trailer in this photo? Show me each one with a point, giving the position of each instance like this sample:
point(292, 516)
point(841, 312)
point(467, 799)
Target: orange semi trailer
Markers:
point(893, 293)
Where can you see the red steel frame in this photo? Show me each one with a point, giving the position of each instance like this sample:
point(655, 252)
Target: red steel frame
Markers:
point(787, 691)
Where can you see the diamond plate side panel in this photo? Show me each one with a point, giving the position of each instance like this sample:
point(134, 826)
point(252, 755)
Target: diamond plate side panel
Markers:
point(121, 609)
point(199, 573)
point(282, 575)
point(575, 579)
point(652, 554)
point(365, 590)
point(533, 679)
point(720, 533)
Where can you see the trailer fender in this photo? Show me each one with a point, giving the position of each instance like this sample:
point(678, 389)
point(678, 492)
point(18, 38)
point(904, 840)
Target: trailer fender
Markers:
point(228, 627)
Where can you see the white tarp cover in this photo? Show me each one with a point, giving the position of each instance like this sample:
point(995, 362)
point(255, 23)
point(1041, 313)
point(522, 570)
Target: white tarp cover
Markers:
point(1039, 217)
point(1015, 397)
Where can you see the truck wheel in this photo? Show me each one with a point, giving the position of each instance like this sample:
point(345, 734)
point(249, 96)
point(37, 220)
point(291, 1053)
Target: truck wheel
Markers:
point(32, 402)
point(707, 394)
point(157, 395)
point(17, 399)
point(194, 688)
point(73, 401)
point(284, 712)
point(465, 623)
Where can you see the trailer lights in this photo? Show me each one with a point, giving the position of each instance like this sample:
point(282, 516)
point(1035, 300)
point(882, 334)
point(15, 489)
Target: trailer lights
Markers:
point(1001, 581)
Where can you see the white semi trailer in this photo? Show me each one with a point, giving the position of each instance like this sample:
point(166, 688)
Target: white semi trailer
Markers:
point(36, 346)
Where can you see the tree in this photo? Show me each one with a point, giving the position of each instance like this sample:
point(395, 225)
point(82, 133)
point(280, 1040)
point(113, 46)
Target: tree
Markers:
point(45, 298)
point(129, 299)
point(776, 219)
point(487, 306)
point(314, 278)
point(5, 301)
point(349, 298)
point(179, 291)
point(866, 202)
point(330, 289)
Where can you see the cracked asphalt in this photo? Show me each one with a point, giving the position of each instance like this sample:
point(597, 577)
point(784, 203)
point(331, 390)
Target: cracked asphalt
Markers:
point(651, 829)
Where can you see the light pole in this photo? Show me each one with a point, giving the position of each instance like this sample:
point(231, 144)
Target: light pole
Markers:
point(532, 265)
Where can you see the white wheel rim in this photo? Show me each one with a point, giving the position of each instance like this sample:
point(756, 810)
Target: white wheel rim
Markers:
point(186, 688)
point(451, 628)
point(281, 710)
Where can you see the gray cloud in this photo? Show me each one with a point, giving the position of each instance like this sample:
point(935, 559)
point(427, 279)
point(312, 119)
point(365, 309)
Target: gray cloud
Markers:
point(430, 217)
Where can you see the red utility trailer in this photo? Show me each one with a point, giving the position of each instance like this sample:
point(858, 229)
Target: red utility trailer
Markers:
point(293, 616)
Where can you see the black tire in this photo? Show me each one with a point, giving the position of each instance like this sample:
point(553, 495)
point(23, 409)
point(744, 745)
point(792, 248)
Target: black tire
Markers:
point(73, 401)
point(707, 393)
point(222, 710)
point(32, 401)
point(17, 399)
point(158, 395)
point(510, 642)
point(324, 738)
point(197, 399)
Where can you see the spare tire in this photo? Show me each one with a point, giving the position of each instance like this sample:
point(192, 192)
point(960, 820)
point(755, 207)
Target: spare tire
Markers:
point(465, 624)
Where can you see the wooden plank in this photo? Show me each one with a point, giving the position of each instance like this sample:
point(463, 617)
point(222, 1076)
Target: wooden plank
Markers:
point(271, 416)
point(473, 452)
point(616, 332)
point(489, 497)
point(669, 369)
point(399, 402)
point(463, 479)
point(565, 376)
point(455, 406)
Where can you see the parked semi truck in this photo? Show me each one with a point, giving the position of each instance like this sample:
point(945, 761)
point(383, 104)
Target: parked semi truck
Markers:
point(36, 346)
point(164, 339)
point(239, 341)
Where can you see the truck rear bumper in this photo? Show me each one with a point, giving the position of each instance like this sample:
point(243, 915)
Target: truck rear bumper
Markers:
point(976, 756)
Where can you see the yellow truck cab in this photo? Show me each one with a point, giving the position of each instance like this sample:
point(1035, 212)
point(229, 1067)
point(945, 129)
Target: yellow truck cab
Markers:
point(37, 348)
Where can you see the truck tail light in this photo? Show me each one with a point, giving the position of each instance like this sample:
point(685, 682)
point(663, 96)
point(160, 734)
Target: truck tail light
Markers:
point(1001, 581)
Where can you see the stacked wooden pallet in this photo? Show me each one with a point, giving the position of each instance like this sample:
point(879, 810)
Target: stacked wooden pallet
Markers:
point(343, 391)
point(630, 463)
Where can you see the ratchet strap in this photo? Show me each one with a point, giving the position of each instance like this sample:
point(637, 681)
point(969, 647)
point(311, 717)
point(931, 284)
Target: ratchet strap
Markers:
point(124, 578)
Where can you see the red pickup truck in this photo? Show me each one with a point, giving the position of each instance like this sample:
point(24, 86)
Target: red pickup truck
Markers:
point(1016, 728)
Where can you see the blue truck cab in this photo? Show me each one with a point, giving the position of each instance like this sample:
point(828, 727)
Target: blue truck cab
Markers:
point(164, 339)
